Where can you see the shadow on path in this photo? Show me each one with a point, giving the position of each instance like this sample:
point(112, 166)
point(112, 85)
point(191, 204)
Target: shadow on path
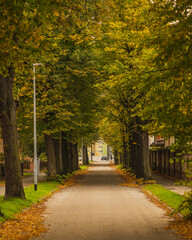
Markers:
point(100, 209)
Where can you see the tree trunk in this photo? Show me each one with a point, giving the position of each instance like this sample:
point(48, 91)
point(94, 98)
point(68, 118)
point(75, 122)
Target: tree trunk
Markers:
point(51, 161)
point(57, 155)
point(75, 156)
point(137, 155)
point(120, 158)
point(116, 157)
point(85, 156)
point(146, 156)
point(125, 152)
point(65, 162)
point(140, 151)
point(13, 179)
point(70, 156)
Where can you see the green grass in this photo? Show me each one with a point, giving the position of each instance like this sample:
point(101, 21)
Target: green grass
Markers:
point(27, 174)
point(13, 206)
point(10, 207)
point(124, 168)
point(83, 167)
point(172, 199)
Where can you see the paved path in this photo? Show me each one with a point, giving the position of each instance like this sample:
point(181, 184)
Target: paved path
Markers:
point(100, 209)
point(169, 184)
point(26, 182)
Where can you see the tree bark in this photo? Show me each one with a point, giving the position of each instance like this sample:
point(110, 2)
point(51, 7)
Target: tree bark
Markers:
point(65, 162)
point(120, 158)
point(85, 156)
point(51, 161)
point(57, 155)
point(70, 156)
point(75, 156)
point(139, 150)
point(13, 179)
point(115, 157)
point(146, 156)
point(125, 151)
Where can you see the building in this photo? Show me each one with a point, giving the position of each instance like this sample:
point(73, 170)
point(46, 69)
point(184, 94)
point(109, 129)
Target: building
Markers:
point(165, 161)
point(99, 149)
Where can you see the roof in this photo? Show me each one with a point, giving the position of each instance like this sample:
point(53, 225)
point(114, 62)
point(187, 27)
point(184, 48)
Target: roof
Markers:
point(159, 142)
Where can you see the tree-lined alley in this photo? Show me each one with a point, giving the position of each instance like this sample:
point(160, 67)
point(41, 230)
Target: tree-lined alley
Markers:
point(120, 68)
point(99, 208)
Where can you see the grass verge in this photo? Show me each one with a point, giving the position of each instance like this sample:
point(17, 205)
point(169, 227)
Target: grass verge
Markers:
point(173, 200)
point(165, 198)
point(83, 167)
point(12, 206)
point(25, 175)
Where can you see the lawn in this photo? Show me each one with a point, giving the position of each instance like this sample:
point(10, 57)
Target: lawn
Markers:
point(172, 199)
point(12, 206)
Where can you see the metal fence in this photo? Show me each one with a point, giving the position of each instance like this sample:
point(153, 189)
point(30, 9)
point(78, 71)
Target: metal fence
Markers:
point(159, 162)
point(26, 165)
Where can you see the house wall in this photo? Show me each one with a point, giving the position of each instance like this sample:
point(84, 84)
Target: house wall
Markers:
point(99, 149)
point(169, 141)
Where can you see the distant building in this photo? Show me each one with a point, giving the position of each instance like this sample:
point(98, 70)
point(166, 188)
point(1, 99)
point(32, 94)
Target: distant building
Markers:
point(98, 150)
point(151, 139)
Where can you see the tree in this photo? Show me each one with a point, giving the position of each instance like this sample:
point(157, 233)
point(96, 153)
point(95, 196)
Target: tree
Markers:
point(21, 24)
point(66, 91)
point(167, 102)
point(13, 180)
point(11, 15)
point(124, 29)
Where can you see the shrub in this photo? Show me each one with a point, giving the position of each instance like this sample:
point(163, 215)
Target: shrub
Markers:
point(185, 206)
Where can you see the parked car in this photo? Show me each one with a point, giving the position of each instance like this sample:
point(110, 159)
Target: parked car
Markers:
point(104, 157)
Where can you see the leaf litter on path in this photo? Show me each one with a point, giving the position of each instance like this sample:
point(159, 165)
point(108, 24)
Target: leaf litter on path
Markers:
point(29, 223)
point(179, 225)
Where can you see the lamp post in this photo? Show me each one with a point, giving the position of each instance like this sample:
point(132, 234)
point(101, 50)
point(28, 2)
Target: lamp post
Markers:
point(35, 127)
point(82, 151)
point(91, 153)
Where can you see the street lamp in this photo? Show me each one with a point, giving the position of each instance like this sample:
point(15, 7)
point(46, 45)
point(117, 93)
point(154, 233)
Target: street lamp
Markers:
point(35, 127)
point(82, 151)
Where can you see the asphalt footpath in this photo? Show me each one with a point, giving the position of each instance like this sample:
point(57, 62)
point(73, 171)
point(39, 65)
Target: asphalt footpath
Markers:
point(99, 207)
point(166, 183)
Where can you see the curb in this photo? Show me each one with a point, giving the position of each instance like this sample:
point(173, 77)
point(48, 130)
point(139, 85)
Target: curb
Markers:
point(164, 204)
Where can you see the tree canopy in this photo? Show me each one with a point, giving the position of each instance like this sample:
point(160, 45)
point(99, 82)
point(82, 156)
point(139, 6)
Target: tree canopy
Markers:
point(122, 67)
